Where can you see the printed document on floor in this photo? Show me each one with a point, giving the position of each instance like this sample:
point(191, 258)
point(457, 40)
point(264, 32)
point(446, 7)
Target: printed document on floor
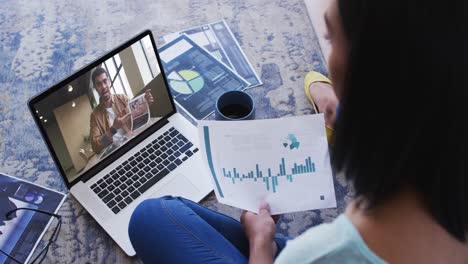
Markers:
point(195, 77)
point(218, 39)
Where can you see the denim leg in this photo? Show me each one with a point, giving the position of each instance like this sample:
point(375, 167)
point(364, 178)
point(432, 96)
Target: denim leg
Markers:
point(230, 228)
point(166, 230)
point(175, 219)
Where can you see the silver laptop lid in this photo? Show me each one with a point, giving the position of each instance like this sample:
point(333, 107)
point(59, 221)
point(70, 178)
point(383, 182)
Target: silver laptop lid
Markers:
point(100, 112)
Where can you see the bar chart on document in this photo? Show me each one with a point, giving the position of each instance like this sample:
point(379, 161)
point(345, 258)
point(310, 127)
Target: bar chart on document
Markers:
point(284, 162)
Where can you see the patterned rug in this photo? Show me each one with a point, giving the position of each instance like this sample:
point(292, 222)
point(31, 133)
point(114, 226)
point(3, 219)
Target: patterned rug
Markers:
point(44, 41)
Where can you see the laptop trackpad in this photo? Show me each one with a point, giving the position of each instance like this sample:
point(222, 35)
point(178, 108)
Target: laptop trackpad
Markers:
point(178, 186)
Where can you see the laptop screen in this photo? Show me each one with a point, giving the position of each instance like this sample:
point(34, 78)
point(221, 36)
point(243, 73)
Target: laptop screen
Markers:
point(103, 108)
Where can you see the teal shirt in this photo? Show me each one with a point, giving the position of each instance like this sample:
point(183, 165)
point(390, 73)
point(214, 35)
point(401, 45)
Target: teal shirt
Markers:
point(336, 242)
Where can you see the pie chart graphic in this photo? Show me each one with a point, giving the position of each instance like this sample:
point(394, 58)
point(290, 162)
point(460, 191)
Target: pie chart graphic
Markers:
point(186, 81)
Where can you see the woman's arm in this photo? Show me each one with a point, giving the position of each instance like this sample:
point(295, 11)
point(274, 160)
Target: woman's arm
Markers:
point(260, 230)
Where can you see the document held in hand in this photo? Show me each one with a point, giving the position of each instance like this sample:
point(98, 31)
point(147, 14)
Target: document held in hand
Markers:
point(284, 162)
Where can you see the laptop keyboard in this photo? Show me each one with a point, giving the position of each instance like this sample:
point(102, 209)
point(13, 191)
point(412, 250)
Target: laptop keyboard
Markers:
point(141, 171)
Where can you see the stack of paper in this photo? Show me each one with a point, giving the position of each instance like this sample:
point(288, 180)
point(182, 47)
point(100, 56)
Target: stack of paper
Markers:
point(202, 63)
point(21, 232)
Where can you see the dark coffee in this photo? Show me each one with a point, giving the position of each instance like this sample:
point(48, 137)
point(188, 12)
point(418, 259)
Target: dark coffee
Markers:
point(235, 111)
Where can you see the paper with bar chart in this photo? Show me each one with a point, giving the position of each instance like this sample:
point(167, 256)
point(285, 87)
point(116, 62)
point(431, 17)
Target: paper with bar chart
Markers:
point(284, 162)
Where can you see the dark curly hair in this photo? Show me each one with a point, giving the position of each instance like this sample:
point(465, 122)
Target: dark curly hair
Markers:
point(98, 71)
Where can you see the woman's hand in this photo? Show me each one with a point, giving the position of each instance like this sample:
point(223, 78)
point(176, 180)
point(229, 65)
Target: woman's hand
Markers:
point(260, 230)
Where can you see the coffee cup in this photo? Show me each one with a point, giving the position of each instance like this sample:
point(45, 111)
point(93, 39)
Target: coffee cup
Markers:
point(235, 105)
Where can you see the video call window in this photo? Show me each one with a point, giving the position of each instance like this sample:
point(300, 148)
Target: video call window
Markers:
point(101, 110)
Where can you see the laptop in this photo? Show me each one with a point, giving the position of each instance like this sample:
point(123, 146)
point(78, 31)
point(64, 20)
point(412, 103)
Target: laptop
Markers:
point(112, 156)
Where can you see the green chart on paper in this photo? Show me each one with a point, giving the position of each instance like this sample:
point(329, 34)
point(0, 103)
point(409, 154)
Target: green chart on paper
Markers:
point(186, 81)
point(269, 178)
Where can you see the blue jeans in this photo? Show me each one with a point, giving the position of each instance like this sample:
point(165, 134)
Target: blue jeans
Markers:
point(176, 230)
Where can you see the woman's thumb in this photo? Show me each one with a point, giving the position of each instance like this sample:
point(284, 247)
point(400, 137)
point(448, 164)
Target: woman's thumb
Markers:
point(264, 208)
